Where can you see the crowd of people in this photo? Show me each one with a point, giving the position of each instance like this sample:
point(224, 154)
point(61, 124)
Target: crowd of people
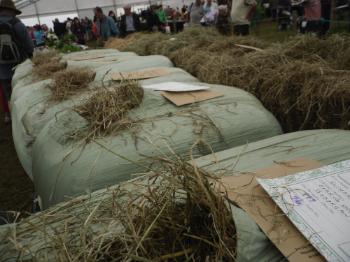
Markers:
point(311, 16)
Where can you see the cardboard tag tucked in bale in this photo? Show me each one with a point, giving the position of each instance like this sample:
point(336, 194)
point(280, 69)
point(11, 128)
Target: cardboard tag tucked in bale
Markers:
point(245, 191)
point(142, 74)
point(185, 98)
point(86, 57)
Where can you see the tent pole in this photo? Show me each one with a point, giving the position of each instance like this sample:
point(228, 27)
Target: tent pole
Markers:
point(76, 7)
point(115, 6)
point(37, 12)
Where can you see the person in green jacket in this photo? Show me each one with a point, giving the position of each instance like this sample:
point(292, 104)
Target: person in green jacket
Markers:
point(162, 19)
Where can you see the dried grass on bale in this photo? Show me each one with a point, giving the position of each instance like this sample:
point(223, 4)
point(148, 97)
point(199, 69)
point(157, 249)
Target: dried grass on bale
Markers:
point(335, 49)
point(107, 110)
point(180, 217)
point(312, 95)
point(122, 43)
point(171, 214)
point(46, 63)
point(70, 81)
point(193, 38)
point(312, 74)
point(301, 95)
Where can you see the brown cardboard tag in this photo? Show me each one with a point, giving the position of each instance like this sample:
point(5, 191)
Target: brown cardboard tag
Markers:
point(85, 57)
point(245, 191)
point(142, 74)
point(185, 98)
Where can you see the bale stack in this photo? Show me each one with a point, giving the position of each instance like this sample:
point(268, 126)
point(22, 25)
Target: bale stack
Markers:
point(81, 116)
point(303, 81)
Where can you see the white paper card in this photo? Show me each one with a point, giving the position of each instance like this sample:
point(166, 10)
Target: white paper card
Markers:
point(176, 87)
point(318, 204)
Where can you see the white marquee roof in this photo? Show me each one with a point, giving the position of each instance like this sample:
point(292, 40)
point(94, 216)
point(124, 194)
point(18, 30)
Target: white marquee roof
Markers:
point(33, 8)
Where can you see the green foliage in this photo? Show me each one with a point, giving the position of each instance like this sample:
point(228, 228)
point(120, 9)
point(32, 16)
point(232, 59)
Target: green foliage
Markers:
point(64, 45)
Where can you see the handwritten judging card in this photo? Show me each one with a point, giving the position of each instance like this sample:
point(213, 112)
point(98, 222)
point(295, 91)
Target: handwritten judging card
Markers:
point(318, 204)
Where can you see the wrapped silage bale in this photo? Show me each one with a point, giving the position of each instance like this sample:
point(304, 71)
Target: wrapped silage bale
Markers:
point(326, 146)
point(63, 168)
point(32, 109)
point(88, 213)
point(91, 59)
point(22, 70)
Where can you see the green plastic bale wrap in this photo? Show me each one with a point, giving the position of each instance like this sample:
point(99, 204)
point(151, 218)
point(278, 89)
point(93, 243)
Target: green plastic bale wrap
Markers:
point(132, 64)
point(95, 61)
point(35, 95)
point(36, 237)
point(91, 59)
point(62, 167)
point(32, 109)
point(22, 71)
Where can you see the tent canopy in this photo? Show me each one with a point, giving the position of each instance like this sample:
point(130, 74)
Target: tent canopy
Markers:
point(35, 8)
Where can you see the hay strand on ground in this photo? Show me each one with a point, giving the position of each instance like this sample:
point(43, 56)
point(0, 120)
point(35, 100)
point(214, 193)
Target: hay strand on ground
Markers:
point(70, 81)
point(107, 109)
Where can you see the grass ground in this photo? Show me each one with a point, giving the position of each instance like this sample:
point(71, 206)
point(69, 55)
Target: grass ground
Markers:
point(268, 31)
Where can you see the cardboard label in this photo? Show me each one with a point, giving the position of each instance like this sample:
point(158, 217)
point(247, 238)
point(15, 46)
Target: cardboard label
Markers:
point(142, 74)
point(85, 57)
point(185, 98)
point(245, 192)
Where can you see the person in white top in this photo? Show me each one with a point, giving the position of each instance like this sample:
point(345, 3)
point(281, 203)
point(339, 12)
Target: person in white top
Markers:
point(210, 11)
point(241, 14)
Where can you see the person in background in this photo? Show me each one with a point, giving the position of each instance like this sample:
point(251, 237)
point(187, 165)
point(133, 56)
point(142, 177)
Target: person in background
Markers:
point(87, 24)
point(21, 41)
point(210, 11)
point(184, 13)
point(112, 14)
point(69, 26)
point(326, 9)
point(223, 22)
point(94, 28)
point(105, 25)
point(284, 14)
point(151, 18)
point(59, 28)
point(196, 12)
point(273, 8)
point(79, 31)
point(39, 36)
point(241, 13)
point(130, 22)
point(30, 31)
point(168, 11)
point(162, 18)
point(312, 17)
